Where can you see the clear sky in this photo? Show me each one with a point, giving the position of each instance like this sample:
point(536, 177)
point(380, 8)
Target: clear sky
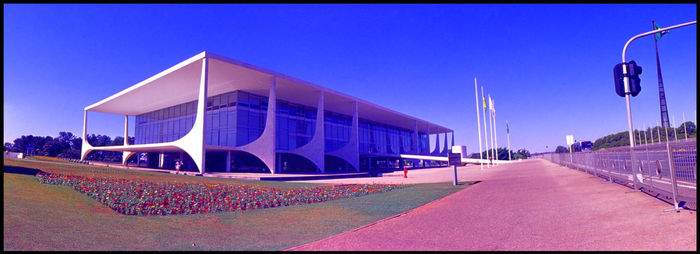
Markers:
point(548, 67)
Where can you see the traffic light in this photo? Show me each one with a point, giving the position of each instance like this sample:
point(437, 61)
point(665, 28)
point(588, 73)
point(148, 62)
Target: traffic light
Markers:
point(633, 72)
point(619, 83)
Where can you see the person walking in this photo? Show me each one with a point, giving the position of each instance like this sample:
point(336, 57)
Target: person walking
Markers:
point(178, 164)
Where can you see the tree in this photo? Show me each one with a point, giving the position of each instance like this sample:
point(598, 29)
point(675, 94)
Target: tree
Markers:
point(561, 149)
point(118, 141)
point(521, 154)
point(104, 140)
point(65, 145)
point(52, 147)
point(613, 140)
point(29, 144)
point(76, 144)
point(690, 126)
point(503, 154)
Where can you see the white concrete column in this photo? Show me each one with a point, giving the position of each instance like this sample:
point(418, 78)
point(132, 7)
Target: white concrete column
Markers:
point(427, 131)
point(350, 152)
point(437, 141)
point(444, 149)
point(314, 150)
point(193, 142)
point(355, 138)
point(265, 146)
point(228, 161)
point(125, 154)
point(161, 159)
point(320, 135)
point(85, 147)
point(269, 136)
point(126, 130)
point(416, 138)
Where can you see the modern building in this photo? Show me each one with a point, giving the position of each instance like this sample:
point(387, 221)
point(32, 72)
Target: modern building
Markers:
point(219, 114)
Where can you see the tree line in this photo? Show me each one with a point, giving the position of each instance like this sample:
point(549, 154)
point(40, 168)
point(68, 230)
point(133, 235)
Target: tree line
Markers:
point(502, 154)
point(67, 145)
point(652, 135)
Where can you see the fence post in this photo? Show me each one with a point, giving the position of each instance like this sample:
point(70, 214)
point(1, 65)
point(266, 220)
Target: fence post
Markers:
point(673, 179)
point(605, 167)
point(632, 169)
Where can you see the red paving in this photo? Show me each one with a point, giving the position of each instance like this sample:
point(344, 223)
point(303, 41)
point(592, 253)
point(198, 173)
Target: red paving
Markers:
point(529, 206)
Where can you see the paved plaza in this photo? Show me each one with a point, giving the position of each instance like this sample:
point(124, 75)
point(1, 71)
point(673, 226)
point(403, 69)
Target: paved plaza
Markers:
point(530, 205)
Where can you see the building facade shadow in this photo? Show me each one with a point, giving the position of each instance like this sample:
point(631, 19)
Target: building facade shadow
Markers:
point(21, 170)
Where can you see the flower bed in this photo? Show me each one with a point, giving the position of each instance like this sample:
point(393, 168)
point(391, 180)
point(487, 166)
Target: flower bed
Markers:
point(139, 197)
point(49, 158)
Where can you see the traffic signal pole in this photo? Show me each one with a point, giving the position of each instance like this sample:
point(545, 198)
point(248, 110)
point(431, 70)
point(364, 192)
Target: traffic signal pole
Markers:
point(626, 82)
point(626, 78)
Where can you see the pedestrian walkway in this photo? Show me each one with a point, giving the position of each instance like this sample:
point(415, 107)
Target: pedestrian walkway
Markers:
point(533, 205)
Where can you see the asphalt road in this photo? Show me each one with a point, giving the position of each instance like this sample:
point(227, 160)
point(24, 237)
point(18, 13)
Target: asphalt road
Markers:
point(533, 205)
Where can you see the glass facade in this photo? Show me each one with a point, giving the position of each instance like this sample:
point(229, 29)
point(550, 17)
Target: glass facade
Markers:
point(238, 118)
point(233, 119)
point(337, 130)
point(376, 138)
point(296, 125)
point(164, 125)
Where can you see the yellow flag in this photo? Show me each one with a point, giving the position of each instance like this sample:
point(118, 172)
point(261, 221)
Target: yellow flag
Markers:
point(483, 100)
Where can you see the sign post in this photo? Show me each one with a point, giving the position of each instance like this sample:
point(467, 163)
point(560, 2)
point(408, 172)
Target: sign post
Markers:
point(454, 160)
point(570, 141)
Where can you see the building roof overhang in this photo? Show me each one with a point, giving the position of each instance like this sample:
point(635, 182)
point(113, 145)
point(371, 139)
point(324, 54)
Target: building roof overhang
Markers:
point(180, 84)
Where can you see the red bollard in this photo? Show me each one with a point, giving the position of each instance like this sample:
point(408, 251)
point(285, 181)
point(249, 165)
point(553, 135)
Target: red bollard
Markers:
point(405, 171)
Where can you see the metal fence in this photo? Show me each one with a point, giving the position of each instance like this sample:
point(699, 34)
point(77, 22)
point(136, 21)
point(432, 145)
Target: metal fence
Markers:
point(666, 170)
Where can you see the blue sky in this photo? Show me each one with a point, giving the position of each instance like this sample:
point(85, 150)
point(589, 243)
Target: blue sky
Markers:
point(548, 67)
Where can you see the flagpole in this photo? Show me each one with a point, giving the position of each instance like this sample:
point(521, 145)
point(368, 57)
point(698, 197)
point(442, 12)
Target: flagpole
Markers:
point(639, 133)
point(508, 136)
point(684, 128)
point(675, 133)
point(495, 128)
point(478, 123)
point(491, 128)
point(486, 132)
point(645, 136)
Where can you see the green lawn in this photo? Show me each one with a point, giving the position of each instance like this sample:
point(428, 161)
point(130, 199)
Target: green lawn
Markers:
point(51, 217)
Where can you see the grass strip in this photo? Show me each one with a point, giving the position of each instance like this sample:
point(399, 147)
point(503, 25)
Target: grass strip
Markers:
point(53, 217)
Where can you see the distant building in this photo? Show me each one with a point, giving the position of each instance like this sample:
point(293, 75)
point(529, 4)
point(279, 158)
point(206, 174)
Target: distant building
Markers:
point(257, 120)
point(461, 150)
point(582, 146)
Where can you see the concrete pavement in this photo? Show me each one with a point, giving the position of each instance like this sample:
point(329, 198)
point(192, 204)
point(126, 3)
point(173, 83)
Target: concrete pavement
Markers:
point(532, 205)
